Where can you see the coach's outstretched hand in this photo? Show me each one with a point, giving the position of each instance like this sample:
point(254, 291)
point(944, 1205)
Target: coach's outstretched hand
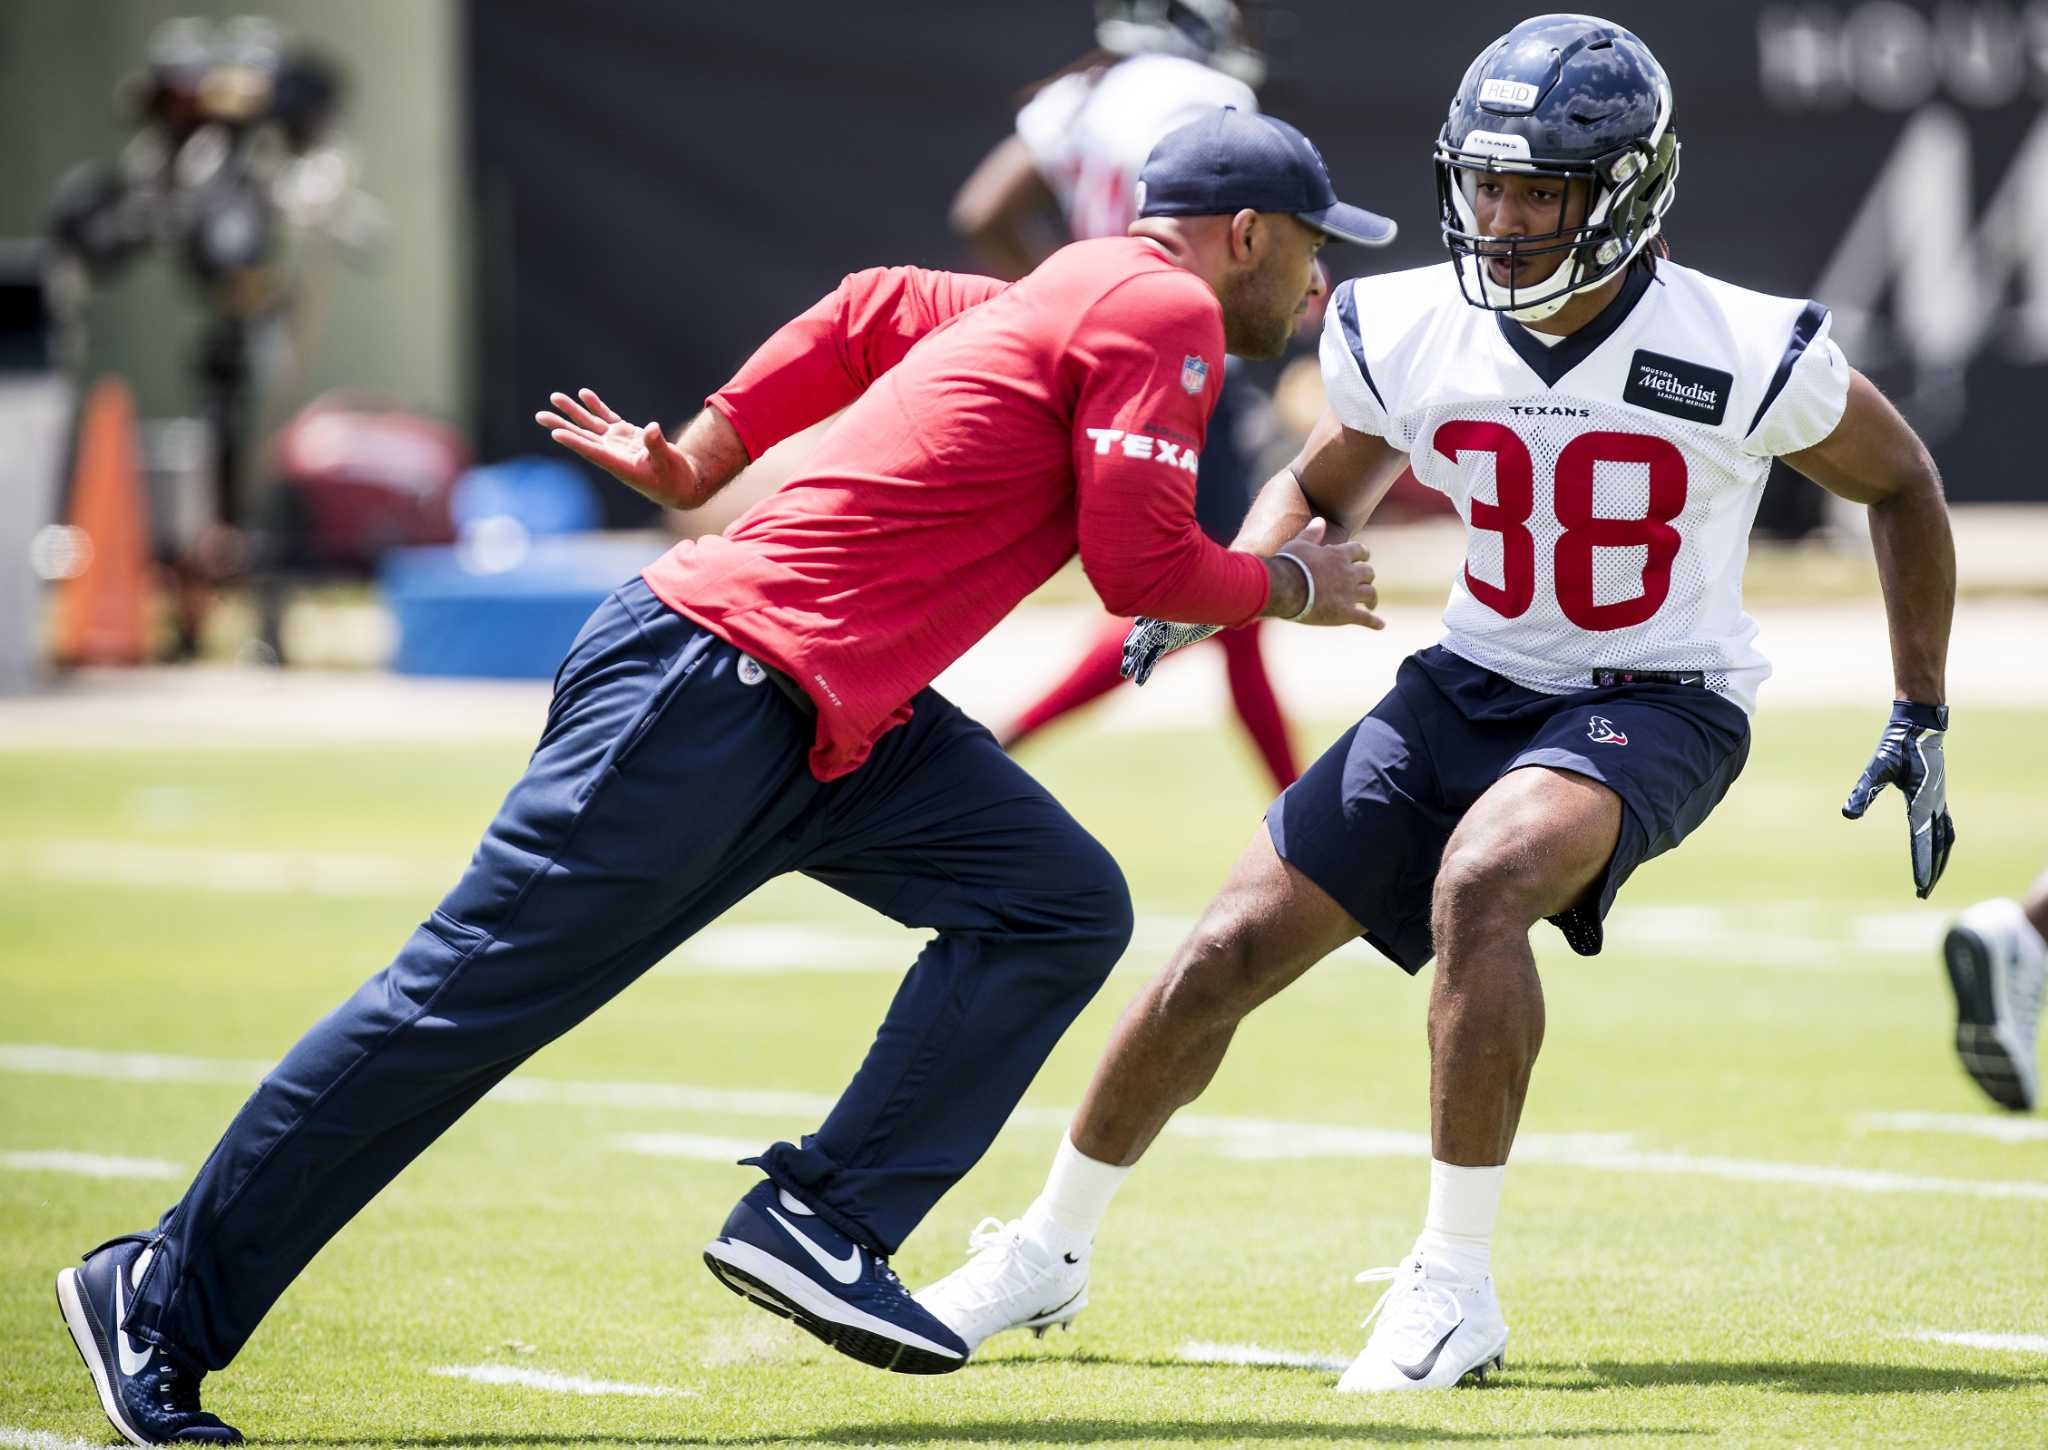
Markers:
point(1909, 756)
point(1340, 587)
point(636, 454)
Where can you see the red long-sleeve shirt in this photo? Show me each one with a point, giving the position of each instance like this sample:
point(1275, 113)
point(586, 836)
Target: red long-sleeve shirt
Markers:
point(992, 432)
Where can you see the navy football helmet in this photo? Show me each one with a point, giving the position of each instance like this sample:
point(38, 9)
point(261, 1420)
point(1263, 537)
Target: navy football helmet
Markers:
point(1221, 34)
point(1574, 98)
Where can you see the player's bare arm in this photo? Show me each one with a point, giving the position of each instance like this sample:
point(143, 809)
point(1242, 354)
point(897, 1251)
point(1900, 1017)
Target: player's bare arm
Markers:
point(1874, 458)
point(996, 206)
point(1339, 476)
point(1308, 511)
point(1336, 481)
point(679, 475)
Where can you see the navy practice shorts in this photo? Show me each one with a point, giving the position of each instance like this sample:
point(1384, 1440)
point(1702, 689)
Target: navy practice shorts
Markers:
point(1369, 821)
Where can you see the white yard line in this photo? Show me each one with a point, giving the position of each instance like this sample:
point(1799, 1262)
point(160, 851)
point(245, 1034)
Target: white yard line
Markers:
point(1771, 936)
point(1812, 1175)
point(689, 1145)
point(1971, 1339)
point(561, 1384)
point(1257, 1139)
point(227, 871)
point(42, 1059)
point(90, 1165)
point(1202, 1351)
point(14, 1438)
point(1242, 1138)
point(675, 1097)
point(1967, 1125)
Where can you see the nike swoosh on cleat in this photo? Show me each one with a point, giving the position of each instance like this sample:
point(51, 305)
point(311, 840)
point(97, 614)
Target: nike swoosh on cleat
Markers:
point(1070, 1258)
point(1421, 1371)
point(845, 1270)
point(132, 1364)
point(1048, 1313)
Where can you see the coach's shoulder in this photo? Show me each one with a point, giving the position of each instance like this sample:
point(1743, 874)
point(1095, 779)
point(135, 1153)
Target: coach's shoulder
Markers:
point(1128, 278)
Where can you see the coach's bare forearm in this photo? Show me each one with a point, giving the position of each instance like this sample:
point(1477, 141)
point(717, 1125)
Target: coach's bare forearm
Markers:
point(716, 457)
point(1916, 566)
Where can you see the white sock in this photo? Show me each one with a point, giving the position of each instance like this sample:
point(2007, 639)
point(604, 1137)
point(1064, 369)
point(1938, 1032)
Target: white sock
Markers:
point(1077, 1192)
point(1463, 1203)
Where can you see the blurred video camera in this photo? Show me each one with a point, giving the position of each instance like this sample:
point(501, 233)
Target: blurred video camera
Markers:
point(232, 151)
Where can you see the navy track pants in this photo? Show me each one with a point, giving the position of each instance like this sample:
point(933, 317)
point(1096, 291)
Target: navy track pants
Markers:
point(665, 788)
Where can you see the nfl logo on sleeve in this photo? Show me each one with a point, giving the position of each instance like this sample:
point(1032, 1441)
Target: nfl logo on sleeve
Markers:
point(1194, 373)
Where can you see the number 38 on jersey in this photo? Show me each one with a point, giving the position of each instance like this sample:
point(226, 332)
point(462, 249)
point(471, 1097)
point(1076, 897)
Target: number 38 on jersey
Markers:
point(1608, 479)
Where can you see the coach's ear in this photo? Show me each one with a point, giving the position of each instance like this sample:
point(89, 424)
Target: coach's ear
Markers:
point(1247, 230)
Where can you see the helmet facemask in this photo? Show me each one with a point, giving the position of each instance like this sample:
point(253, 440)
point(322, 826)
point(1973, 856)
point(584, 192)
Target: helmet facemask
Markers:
point(1629, 190)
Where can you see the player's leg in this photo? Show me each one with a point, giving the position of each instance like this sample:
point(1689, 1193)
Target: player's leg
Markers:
point(1266, 927)
point(569, 897)
point(1996, 953)
point(1606, 780)
point(1095, 674)
point(1251, 691)
point(1529, 849)
point(1349, 848)
point(942, 830)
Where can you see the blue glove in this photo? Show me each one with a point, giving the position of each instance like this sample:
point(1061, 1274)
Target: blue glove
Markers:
point(1151, 639)
point(1909, 756)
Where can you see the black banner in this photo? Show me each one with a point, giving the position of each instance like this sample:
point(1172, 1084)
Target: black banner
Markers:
point(659, 185)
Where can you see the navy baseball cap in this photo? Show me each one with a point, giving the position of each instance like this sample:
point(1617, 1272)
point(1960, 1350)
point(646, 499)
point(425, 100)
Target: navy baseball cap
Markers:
point(1230, 160)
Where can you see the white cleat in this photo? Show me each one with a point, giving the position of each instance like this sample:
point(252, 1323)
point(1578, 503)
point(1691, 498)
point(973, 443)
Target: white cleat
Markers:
point(1434, 1329)
point(1011, 1281)
point(1998, 970)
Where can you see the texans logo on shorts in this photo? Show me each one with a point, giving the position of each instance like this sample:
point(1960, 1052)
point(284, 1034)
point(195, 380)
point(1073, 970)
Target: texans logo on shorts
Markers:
point(1602, 729)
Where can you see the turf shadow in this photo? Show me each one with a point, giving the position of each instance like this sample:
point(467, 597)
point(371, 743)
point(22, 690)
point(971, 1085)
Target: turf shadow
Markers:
point(1809, 1377)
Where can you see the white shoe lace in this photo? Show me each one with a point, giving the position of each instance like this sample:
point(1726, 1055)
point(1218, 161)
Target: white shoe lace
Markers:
point(1420, 1307)
point(994, 1269)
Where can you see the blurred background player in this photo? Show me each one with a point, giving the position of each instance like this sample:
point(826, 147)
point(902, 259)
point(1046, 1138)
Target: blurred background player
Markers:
point(1998, 967)
point(1079, 143)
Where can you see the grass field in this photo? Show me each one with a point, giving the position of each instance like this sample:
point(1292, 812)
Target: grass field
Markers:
point(1718, 1227)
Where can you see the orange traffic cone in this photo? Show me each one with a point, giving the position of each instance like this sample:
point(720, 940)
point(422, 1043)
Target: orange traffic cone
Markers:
point(102, 611)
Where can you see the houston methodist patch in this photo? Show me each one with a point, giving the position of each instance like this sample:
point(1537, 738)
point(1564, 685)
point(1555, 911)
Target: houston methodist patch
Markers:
point(1678, 388)
point(1194, 373)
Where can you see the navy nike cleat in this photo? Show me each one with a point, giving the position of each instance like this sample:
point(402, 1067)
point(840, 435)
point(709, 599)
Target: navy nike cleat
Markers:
point(776, 1251)
point(151, 1398)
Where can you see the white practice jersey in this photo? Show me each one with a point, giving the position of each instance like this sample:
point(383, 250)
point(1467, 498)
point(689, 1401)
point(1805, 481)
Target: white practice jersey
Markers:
point(1607, 482)
point(1090, 132)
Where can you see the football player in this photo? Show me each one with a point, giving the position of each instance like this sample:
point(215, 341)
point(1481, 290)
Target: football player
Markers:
point(1603, 419)
point(1997, 958)
point(1077, 148)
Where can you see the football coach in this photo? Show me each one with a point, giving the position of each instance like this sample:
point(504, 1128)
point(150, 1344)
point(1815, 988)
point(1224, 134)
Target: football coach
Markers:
point(760, 703)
